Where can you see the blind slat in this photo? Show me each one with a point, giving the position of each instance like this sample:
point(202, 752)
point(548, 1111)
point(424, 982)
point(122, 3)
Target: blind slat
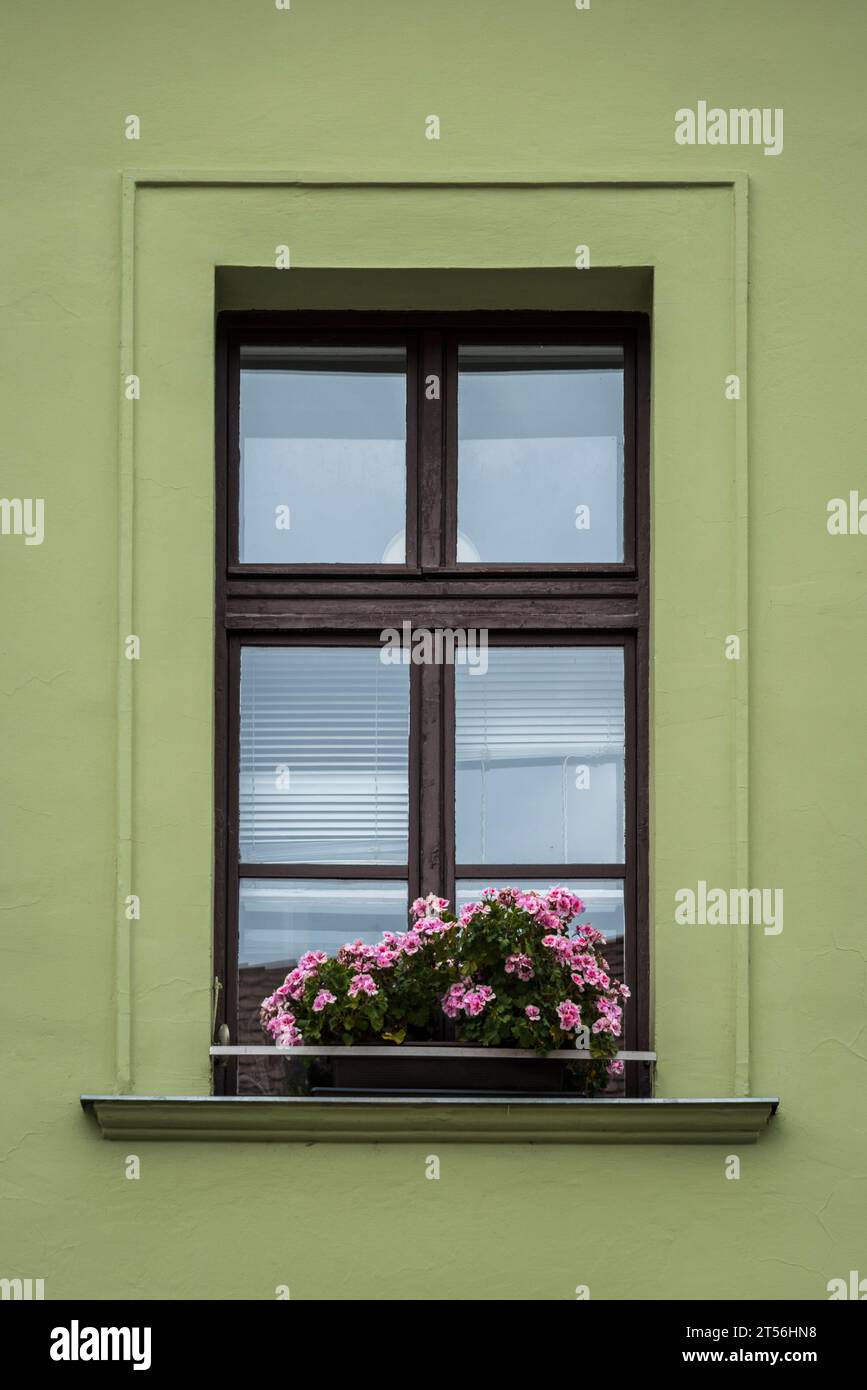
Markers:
point(324, 756)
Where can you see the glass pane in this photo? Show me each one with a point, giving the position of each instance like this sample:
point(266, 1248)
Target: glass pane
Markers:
point(323, 455)
point(603, 899)
point(540, 757)
point(324, 756)
point(540, 455)
point(281, 919)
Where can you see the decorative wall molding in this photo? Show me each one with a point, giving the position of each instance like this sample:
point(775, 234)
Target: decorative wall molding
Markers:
point(132, 182)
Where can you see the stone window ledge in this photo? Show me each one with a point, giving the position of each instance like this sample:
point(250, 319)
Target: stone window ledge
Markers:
point(400, 1119)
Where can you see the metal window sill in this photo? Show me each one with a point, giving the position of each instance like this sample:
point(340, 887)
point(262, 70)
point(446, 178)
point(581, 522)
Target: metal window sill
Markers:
point(466, 1119)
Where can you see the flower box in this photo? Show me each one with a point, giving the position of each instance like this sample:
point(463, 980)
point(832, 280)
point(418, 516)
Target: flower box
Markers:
point(513, 981)
point(444, 1068)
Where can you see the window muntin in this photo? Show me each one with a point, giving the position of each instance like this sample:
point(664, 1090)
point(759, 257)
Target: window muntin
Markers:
point(540, 454)
point(322, 455)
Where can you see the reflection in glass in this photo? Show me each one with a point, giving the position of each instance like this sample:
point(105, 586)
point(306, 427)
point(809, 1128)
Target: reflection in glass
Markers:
point(540, 757)
point(323, 455)
point(540, 453)
point(280, 919)
point(324, 756)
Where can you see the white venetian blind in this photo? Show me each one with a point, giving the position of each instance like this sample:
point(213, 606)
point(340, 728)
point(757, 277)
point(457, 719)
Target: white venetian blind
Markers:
point(324, 756)
point(540, 756)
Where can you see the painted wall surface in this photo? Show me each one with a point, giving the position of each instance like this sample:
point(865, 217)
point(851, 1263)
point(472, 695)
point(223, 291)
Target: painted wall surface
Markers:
point(557, 128)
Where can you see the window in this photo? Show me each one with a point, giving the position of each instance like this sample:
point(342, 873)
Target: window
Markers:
point(485, 474)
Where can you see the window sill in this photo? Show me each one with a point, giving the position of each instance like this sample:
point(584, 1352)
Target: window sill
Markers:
point(471, 1119)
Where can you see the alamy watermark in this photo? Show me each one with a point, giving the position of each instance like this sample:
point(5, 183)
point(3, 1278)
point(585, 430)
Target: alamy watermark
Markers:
point(23, 516)
point(855, 1288)
point(22, 1290)
point(438, 646)
point(847, 516)
point(730, 907)
point(77, 1343)
point(737, 126)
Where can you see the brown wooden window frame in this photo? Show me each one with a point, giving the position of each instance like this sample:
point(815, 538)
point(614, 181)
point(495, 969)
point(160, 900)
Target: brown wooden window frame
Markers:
point(350, 604)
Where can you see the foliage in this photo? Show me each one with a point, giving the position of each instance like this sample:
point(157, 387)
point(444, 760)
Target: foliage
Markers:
point(508, 972)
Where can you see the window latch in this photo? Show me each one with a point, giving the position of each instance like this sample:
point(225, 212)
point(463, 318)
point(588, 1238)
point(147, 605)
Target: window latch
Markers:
point(224, 1037)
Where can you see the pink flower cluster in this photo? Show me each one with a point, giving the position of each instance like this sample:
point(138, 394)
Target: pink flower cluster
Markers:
point(565, 967)
point(295, 982)
point(611, 1014)
point(276, 1016)
point(569, 1015)
point(471, 911)
point(383, 954)
point(520, 965)
point(361, 957)
point(283, 1030)
point(431, 906)
point(587, 970)
point(362, 983)
point(465, 997)
point(552, 910)
point(583, 966)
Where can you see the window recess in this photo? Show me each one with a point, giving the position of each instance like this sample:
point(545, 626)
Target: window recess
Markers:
point(454, 471)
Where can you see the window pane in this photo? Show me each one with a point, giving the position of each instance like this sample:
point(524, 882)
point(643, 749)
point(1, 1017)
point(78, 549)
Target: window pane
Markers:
point(602, 897)
point(323, 455)
point(324, 756)
point(280, 919)
point(540, 454)
point(540, 757)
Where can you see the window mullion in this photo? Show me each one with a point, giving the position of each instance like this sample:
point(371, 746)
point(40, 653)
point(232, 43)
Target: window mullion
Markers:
point(431, 819)
point(431, 406)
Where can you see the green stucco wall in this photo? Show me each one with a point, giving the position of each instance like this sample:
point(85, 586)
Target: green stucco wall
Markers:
point(557, 129)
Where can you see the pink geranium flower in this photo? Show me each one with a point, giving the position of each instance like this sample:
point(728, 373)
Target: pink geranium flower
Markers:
point(431, 906)
point(283, 1031)
point(453, 999)
point(311, 960)
point(564, 903)
point(569, 1015)
point(520, 965)
point(363, 984)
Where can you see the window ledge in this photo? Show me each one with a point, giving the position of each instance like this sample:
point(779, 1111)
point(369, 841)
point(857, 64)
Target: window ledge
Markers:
point(470, 1119)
